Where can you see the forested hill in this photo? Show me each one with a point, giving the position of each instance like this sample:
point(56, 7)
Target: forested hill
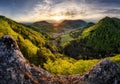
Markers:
point(97, 41)
point(43, 26)
point(73, 24)
point(32, 44)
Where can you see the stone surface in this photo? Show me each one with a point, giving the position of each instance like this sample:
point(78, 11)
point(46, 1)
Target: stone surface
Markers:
point(14, 68)
point(105, 72)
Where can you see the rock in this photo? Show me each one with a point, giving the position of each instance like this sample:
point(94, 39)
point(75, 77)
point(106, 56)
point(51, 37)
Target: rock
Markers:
point(14, 68)
point(105, 72)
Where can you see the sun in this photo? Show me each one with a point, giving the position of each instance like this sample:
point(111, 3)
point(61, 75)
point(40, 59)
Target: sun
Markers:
point(58, 18)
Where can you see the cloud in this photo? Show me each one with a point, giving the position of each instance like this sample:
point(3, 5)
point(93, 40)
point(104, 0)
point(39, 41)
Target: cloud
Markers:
point(69, 9)
point(50, 8)
point(113, 11)
point(48, 1)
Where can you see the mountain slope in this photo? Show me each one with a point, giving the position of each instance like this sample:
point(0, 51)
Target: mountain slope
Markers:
point(26, 37)
point(78, 32)
point(97, 41)
point(106, 35)
point(8, 26)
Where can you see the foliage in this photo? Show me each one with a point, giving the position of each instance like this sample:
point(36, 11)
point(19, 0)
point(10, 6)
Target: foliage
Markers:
point(43, 26)
point(65, 38)
point(31, 43)
point(65, 66)
point(97, 41)
point(73, 24)
point(78, 32)
point(115, 59)
point(69, 66)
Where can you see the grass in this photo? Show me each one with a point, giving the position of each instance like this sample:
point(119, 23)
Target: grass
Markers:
point(115, 59)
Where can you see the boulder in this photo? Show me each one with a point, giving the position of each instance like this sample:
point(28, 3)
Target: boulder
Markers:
point(105, 72)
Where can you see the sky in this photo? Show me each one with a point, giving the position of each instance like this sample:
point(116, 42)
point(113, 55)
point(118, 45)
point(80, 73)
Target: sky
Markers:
point(36, 10)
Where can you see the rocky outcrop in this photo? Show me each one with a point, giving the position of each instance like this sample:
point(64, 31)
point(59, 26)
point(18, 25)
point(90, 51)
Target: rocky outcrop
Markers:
point(15, 69)
point(105, 72)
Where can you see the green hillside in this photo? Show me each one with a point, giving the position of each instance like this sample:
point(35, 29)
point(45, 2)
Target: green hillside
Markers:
point(98, 41)
point(73, 24)
point(33, 45)
point(78, 32)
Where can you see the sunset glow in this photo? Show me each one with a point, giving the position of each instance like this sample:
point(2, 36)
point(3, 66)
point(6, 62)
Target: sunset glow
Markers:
point(58, 18)
point(37, 10)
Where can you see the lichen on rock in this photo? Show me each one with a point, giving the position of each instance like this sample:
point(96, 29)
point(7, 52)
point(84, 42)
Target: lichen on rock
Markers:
point(105, 72)
point(14, 68)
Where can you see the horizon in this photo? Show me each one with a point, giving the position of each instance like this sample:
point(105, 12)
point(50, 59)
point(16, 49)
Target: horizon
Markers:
point(59, 22)
point(29, 11)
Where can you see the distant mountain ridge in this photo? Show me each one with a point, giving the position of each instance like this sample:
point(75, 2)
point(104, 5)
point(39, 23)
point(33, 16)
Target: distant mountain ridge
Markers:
point(73, 24)
point(43, 26)
point(55, 27)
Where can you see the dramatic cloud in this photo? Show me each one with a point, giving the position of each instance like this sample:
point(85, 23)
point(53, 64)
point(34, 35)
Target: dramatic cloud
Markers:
point(35, 10)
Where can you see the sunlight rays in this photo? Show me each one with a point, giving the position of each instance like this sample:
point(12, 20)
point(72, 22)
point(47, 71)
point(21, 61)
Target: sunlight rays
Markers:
point(58, 18)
